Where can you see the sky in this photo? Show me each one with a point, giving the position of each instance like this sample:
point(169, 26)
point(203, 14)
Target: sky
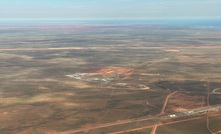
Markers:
point(110, 9)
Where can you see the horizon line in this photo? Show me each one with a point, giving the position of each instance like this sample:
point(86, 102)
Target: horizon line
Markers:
point(104, 19)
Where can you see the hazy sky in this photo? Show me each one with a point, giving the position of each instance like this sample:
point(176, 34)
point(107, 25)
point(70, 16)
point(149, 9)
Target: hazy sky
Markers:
point(109, 9)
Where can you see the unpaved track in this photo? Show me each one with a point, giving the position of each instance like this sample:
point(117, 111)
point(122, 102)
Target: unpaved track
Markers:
point(122, 122)
point(167, 123)
point(108, 125)
point(154, 129)
point(218, 132)
point(166, 101)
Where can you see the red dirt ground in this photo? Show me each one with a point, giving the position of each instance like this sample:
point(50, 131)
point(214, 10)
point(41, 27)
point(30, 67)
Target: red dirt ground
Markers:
point(180, 102)
point(115, 70)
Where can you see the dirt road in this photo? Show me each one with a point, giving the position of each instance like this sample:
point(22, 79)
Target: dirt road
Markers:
point(167, 123)
point(166, 101)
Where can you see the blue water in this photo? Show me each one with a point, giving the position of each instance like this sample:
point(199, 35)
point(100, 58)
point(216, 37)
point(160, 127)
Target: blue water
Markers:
point(171, 22)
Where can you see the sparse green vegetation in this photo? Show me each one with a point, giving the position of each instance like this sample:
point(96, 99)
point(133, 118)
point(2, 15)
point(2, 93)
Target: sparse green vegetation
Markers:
point(37, 97)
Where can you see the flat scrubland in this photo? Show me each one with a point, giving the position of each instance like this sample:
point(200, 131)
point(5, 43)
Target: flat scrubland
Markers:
point(37, 97)
point(214, 126)
point(196, 127)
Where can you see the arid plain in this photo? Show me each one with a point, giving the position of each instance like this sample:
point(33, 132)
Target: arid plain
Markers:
point(66, 78)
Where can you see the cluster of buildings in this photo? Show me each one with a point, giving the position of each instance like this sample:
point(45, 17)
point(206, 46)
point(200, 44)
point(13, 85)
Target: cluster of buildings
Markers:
point(89, 77)
point(78, 76)
point(196, 111)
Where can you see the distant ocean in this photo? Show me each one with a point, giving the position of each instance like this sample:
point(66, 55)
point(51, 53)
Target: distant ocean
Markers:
point(177, 22)
point(180, 22)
